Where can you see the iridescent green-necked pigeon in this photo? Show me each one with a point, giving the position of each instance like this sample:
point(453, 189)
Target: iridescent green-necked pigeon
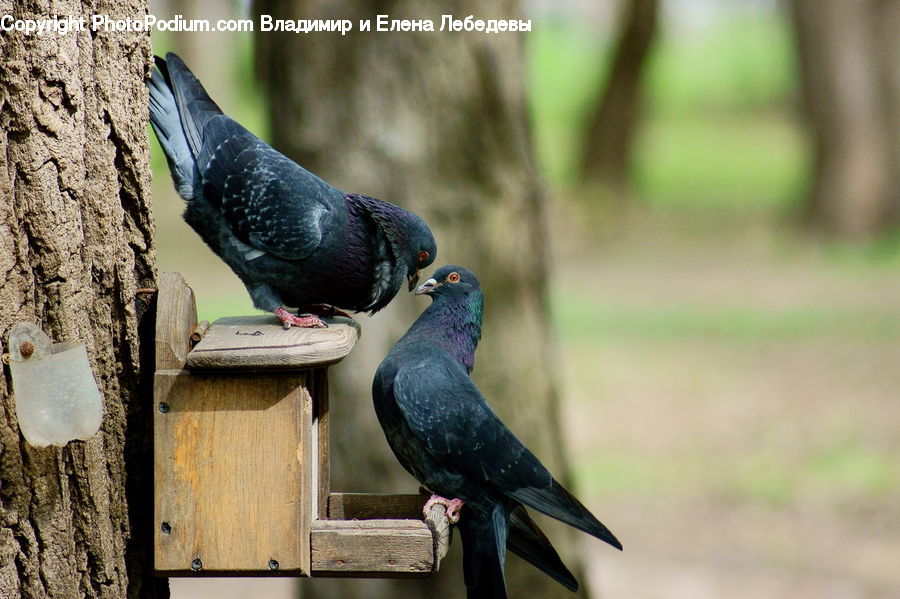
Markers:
point(445, 434)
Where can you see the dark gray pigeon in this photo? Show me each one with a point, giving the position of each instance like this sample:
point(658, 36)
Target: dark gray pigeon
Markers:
point(293, 239)
point(445, 434)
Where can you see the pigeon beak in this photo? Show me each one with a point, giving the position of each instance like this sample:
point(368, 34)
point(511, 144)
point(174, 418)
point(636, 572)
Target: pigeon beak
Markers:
point(413, 279)
point(427, 287)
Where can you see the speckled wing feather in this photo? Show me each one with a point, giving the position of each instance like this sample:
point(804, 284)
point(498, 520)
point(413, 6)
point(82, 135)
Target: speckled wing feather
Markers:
point(270, 203)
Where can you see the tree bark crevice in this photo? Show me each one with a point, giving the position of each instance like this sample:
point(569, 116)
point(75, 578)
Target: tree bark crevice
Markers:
point(76, 242)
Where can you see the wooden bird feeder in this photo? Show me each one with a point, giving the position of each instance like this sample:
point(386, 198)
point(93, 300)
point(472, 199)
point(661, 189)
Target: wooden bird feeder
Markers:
point(241, 475)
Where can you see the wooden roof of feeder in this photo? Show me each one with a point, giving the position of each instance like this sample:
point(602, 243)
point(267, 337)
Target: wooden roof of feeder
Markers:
point(256, 342)
point(259, 342)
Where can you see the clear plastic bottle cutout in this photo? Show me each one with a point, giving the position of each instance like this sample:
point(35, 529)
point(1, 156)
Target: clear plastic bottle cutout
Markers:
point(57, 399)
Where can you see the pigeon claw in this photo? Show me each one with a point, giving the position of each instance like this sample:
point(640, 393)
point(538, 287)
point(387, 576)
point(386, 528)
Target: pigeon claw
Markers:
point(326, 311)
point(304, 321)
point(452, 507)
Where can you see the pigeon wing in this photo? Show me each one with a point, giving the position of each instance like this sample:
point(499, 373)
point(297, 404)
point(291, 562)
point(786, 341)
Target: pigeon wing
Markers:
point(270, 202)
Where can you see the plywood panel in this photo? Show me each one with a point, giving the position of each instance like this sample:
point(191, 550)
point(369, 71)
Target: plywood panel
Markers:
point(382, 548)
point(322, 480)
point(232, 467)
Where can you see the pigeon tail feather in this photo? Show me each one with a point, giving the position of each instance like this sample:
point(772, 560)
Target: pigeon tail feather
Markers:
point(166, 122)
point(529, 542)
point(195, 107)
point(558, 503)
point(483, 558)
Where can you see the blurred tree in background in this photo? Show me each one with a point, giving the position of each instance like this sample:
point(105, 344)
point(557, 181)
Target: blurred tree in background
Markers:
point(435, 122)
point(848, 55)
point(610, 131)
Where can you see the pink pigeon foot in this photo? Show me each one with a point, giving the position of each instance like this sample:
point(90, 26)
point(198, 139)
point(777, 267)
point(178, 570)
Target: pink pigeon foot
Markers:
point(451, 505)
point(306, 321)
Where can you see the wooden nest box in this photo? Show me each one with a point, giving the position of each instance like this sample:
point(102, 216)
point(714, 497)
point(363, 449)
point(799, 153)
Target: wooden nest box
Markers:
point(241, 468)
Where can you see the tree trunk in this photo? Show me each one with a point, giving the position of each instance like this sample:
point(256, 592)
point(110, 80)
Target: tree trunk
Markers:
point(436, 122)
point(76, 242)
point(611, 125)
point(849, 69)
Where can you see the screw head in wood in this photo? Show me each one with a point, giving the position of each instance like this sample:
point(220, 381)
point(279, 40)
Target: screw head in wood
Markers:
point(196, 564)
point(273, 564)
point(163, 407)
point(166, 528)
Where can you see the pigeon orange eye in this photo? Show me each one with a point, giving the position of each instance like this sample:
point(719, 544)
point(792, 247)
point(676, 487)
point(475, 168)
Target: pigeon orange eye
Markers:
point(453, 277)
point(423, 256)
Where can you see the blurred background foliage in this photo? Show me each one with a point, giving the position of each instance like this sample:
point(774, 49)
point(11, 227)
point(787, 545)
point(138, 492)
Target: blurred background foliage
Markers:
point(731, 361)
point(709, 88)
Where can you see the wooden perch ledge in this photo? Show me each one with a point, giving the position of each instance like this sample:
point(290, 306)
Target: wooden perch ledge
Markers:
point(365, 531)
point(379, 535)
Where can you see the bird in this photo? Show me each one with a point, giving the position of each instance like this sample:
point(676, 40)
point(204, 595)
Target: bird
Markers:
point(291, 238)
point(444, 433)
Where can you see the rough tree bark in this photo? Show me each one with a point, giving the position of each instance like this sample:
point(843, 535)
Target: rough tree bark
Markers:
point(851, 99)
point(76, 242)
point(611, 124)
point(436, 122)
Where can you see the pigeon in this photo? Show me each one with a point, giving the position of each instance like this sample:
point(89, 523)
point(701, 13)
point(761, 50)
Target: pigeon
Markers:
point(292, 239)
point(445, 434)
